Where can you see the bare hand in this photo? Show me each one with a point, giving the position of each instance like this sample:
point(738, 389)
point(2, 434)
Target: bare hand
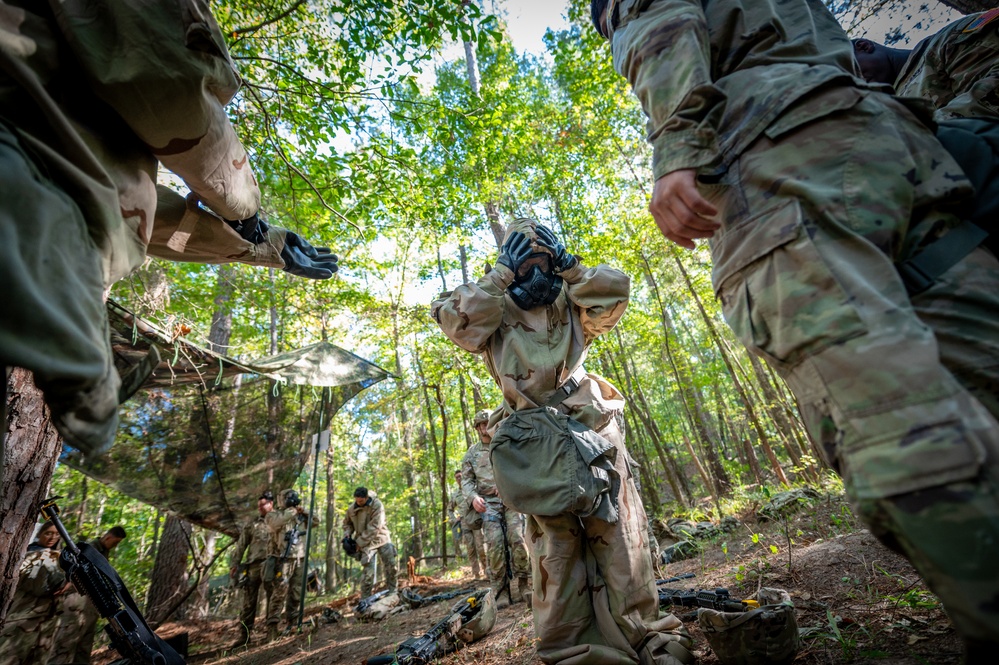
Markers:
point(479, 505)
point(681, 213)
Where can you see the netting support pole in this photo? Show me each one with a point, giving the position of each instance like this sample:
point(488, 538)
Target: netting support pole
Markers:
point(312, 508)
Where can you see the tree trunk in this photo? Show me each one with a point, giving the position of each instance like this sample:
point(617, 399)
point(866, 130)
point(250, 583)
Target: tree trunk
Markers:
point(169, 576)
point(444, 530)
point(29, 456)
point(402, 422)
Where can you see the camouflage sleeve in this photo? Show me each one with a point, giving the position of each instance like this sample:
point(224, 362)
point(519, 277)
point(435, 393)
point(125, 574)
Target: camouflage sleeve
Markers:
point(601, 294)
point(471, 313)
point(42, 576)
point(241, 544)
point(664, 53)
point(165, 69)
point(468, 477)
point(956, 70)
point(348, 526)
point(184, 231)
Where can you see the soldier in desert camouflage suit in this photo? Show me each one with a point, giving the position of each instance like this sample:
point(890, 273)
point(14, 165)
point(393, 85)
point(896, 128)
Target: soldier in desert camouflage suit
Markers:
point(256, 540)
point(594, 597)
point(365, 522)
point(955, 70)
point(478, 486)
point(93, 97)
point(29, 633)
point(74, 640)
point(811, 186)
point(292, 516)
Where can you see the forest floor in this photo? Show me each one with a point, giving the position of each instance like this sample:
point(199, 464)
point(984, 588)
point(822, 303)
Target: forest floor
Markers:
point(855, 602)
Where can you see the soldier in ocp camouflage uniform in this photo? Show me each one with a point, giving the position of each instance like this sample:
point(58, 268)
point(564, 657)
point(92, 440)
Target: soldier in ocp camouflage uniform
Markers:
point(812, 186)
point(365, 522)
point(478, 486)
point(94, 95)
point(955, 70)
point(29, 633)
point(594, 597)
point(471, 528)
point(256, 540)
point(291, 517)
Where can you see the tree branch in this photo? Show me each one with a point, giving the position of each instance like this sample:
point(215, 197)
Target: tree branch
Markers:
point(239, 32)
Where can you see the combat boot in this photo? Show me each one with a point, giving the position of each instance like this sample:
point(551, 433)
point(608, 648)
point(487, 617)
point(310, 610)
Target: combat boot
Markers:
point(244, 637)
point(525, 589)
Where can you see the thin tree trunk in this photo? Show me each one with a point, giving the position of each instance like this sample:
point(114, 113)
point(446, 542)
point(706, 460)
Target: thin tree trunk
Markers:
point(402, 420)
point(444, 520)
point(332, 523)
point(29, 457)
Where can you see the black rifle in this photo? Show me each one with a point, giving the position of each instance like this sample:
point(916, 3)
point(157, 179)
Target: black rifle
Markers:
point(94, 577)
point(672, 580)
point(365, 603)
point(508, 577)
point(436, 642)
point(715, 599)
point(415, 600)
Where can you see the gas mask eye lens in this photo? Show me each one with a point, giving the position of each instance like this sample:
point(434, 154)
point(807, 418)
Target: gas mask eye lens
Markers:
point(538, 259)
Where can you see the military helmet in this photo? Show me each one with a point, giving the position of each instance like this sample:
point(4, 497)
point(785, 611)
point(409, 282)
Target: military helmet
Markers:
point(767, 635)
point(480, 417)
point(482, 623)
point(290, 498)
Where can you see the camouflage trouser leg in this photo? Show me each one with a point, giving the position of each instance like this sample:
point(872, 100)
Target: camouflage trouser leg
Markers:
point(595, 600)
point(456, 538)
point(52, 316)
point(275, 590)
point(28, 641)
point(294, 571)
point(387, 562)
point(896, 392)
point(492, 532)
point(251, 592)
point(476, 553)
point(74, 640)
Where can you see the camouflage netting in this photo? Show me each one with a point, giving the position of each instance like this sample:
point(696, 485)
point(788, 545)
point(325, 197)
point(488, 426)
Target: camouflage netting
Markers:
point(206, 434)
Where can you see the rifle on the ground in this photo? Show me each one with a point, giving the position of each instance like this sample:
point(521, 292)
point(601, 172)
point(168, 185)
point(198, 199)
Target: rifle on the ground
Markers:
point(715, 599)
point(95, 578)
point(673, 580)
point(436, 642)
point(508, 577)
point(365, 603)
point(415, 600)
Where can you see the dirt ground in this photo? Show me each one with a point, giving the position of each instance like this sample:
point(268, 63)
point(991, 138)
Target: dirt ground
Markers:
point(855, 601)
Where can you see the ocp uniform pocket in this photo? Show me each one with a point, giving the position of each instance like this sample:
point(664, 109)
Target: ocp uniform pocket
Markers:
point(777, 293)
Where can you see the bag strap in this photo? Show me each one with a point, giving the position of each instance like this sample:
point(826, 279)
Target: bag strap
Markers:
point(922, 270)
point(570, 386)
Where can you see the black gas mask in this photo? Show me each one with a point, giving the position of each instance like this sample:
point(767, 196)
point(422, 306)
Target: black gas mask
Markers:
point(535, 284)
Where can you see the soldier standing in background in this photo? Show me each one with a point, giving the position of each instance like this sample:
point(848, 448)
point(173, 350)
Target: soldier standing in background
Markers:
point(955, 70)
point(471, 528)
point(74, 641)
point(289, 525)
point(479, 487)
point(29, 634)
point(256, 541)
point(812, 187)
point(365, 523)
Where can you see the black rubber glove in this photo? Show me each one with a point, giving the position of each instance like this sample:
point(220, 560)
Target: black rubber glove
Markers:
point(252, 229)
point(561, 259)
point(515, 251)
point(303, 260)
point(300, 257)
point(349, 545)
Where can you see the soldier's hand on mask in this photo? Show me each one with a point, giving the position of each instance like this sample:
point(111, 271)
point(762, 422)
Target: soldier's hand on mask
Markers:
point(479, 505)
point(515, 251)
point(561, 259)
point(681, 213)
